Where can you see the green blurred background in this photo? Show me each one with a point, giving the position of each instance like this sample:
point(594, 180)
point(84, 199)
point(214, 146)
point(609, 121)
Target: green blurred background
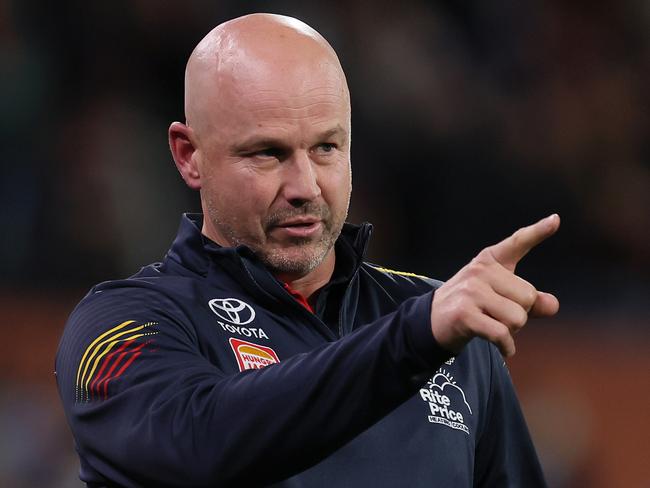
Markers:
point(470, 119)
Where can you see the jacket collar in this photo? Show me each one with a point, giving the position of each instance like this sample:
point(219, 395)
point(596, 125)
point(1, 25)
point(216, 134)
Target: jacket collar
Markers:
point(197, 253)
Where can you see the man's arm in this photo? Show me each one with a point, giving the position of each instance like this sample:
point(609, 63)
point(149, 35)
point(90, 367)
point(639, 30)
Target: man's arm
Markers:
point(174, 418)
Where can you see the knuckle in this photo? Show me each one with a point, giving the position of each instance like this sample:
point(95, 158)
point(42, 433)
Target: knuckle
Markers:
point(481, 268)
point(460, 314)
point(499, 336)
point(520, 318)
point(517, 236)
point(475, 285)
point(466, 289)
point(484, 257)
point(472, 269)
point(469, 291)
point(530, 297)
point(471, 285)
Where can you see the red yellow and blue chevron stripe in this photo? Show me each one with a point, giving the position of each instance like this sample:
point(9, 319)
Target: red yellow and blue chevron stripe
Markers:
point(108, 356)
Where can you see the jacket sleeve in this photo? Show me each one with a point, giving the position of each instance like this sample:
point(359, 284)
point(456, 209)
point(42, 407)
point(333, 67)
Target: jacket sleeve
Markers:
point(505, 455)
point(159, 413)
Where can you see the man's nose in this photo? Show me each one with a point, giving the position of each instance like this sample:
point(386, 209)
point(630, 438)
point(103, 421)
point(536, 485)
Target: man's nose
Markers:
point(301, 179)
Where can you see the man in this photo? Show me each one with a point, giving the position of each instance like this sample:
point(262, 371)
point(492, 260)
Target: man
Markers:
point(263, 349)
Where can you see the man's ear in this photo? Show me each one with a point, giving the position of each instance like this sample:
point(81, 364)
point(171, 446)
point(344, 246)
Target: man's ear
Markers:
point(181, 143)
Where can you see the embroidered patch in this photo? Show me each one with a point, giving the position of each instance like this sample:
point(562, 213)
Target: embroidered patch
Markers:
point(252, 356)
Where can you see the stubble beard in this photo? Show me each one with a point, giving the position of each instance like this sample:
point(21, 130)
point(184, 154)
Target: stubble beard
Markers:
point(296, 256)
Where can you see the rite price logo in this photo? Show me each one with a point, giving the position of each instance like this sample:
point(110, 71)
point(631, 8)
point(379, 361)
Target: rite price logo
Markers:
point(447, 402)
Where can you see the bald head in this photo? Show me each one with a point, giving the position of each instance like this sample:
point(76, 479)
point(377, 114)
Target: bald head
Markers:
point(250, 54)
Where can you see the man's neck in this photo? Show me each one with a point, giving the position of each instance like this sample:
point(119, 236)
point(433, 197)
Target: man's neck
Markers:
point(313, 281)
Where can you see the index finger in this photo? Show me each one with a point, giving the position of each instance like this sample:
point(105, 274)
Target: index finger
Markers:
point(509, 251)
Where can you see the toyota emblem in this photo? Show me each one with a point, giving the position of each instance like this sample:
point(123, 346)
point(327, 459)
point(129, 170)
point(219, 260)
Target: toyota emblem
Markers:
point(232, 310)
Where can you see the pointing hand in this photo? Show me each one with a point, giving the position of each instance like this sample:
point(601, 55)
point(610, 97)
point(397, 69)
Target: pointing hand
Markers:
point(486, 299)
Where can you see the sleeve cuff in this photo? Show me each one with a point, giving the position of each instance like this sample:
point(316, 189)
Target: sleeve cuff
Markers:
point(430, 355)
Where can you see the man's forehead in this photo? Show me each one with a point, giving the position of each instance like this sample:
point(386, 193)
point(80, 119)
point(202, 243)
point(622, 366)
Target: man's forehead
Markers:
point(275, 115)
point(266, 90)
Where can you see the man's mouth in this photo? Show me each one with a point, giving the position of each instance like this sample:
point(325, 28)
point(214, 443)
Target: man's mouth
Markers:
point(298, 222)
point(298, 226)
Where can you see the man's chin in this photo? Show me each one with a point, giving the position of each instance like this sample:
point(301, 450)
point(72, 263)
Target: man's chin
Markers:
point(295, 260)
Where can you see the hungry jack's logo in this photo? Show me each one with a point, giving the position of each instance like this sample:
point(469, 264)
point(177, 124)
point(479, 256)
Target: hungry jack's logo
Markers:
point(108, 357)
point(252, 356)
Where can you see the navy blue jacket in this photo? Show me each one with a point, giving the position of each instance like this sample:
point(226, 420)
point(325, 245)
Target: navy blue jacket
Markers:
point(204, 370)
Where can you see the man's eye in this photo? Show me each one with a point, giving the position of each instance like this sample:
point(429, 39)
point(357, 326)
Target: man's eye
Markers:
point(269, 152)
point(327, 147)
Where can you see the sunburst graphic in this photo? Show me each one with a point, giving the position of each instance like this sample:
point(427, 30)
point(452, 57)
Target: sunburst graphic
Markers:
point(443, 379)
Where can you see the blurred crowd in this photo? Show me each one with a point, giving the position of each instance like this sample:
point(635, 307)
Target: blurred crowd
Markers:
point(470, 119)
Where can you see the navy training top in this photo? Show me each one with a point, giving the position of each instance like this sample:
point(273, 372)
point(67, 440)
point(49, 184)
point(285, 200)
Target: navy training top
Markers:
point(204, 370)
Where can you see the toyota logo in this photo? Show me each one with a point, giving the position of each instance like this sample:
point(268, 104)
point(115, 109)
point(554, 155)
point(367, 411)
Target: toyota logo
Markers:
point(232, 310)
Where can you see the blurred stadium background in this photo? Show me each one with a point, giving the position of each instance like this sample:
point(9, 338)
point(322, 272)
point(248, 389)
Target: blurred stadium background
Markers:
point(470, 119)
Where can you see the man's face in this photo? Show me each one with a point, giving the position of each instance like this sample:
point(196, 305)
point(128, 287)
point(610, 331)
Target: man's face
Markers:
point(275, 165)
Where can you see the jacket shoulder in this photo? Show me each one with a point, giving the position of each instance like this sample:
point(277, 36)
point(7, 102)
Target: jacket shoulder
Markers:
point(113, 325)
point(135, 292)
point(403, 279)
point(129, 301)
